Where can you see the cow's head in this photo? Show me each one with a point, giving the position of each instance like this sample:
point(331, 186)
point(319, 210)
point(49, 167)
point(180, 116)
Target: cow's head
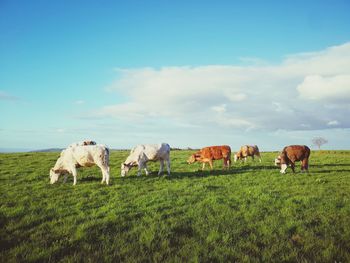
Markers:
point(194, 158)
point(54, 175)
point(124, 169)
point(238, 156)
point(279, 161)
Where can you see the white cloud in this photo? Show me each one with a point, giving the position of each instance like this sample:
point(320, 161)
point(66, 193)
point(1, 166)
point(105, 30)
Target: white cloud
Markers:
point(333, 123)
point(335, 88)
point(298, 94)
point(220, 108)
point(79, 102)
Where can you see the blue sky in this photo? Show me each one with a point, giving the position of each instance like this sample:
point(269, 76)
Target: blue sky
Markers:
point(190, 73)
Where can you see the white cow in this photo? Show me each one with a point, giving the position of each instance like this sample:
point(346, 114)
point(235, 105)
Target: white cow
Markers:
point(81, 156)
point(141, 154)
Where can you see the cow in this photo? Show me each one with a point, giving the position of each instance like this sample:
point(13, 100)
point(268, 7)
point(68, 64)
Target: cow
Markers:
point(245, 151)
point(291, 154)
point(211, 153)
point(74, 157)
point(143, 153)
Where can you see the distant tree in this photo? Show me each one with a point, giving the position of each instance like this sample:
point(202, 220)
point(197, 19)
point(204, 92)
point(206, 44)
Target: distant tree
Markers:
point(319, 141)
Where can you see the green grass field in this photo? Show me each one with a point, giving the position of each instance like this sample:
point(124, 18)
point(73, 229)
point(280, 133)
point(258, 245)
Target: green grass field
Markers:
point(250, 213)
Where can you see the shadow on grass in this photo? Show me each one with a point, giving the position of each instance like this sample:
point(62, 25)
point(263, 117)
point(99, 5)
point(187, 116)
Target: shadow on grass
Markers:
point(199, 173)
point(330, 165)
point(178, 175)
point(332, 171)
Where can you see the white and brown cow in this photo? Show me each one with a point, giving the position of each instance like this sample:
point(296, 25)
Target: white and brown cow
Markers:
point(211, 153)
point(245, 151)
point(291, 154)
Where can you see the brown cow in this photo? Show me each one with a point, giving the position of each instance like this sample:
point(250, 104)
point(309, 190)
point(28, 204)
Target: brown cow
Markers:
point(208, 154)
point(291, 154)
point(246, 151)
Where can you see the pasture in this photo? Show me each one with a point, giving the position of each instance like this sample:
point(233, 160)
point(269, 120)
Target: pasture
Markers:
point(250, 213)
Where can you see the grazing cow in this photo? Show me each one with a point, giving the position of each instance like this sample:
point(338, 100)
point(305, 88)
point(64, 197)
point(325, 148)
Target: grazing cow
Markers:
point(208, 154)
point(246, 151)
point(81, 156)
point(141, 154)
point(291, 154)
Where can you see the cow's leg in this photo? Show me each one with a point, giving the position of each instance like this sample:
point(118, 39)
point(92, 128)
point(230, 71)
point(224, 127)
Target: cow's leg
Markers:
point(103, 175)
point(74, 173)
point(224, 163)
point(228, 162)
point(103, 170)
point(245, 159)
point(161, 167)
point(146, 169)
point(211, 164)
point(139, 169)
point(106, 172)
point(203, 166)
point(253, 157)
point(108, 175)
point(304, 165)
point(292, 165)
point(65, 178)
point(168, 166)
point(283, 168)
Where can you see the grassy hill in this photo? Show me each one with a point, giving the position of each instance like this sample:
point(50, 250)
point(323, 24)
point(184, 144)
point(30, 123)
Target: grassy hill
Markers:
point(250, 213)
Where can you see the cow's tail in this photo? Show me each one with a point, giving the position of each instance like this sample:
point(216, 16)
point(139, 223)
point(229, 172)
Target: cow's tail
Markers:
point(106, 156)
point(229, 160)
point(257, 151)
point(228, 157)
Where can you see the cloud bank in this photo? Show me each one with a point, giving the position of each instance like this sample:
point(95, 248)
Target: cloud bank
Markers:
point(309, 91)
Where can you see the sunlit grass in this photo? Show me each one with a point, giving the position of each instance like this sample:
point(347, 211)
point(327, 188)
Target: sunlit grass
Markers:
point(250, 213)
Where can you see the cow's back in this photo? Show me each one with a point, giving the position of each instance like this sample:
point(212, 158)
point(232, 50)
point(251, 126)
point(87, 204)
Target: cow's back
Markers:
point(152, 151)
point(296, 152)
point(249, 150)
point(216, 152)
point(253, 150)
point(89, 155)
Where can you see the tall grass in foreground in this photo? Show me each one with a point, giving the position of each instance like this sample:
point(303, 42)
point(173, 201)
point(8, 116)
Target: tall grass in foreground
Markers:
point(250, 213)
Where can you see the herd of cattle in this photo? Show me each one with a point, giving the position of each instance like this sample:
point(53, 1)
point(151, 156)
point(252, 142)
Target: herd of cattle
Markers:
point(88, 153)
